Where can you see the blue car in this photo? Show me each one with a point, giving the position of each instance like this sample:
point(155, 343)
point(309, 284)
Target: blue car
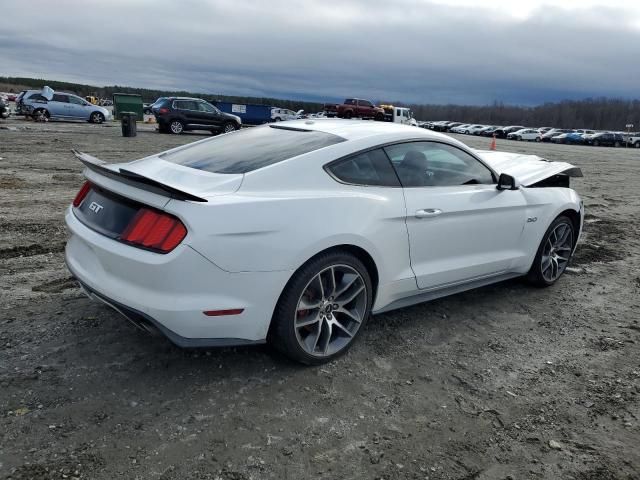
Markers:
point(574, 138)
point(64, 106)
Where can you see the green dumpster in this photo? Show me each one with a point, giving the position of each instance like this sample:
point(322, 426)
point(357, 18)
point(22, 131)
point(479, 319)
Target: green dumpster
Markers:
point(127, 102)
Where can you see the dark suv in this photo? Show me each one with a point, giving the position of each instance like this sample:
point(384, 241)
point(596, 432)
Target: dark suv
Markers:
point(607, 139)
point(179, 114)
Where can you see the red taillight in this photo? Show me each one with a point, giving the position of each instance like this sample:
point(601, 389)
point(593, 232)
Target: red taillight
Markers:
point(155, 230)
point(86, 186)
point(163, 110)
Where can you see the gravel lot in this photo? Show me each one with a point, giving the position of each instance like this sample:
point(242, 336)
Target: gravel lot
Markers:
point(505, 382)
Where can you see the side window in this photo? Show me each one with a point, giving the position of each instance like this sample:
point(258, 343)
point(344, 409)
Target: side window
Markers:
point(76, 100)
point(186, 105)
point(349, 101)
point(368, 168)
point(60, 98)
point(424, 164)
point(36, 97)
point(205, 107)
point(365, 103)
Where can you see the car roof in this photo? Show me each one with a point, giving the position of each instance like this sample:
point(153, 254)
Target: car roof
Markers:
point(358, 129)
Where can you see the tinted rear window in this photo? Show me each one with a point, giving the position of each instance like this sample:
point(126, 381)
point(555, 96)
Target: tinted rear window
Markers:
point(250, 149)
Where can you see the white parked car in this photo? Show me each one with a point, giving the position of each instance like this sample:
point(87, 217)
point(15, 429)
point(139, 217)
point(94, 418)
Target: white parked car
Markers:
point(283, 114)
point(460, 128)
point(528, 134)
point(296, 232)
point(475, 129)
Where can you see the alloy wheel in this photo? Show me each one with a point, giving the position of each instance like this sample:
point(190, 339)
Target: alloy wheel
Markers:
point(330, 310)
point(96, 117)
point(176, 127)
point(556, 252)
point(228, 128)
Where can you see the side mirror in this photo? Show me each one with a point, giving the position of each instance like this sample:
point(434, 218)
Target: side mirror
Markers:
point(507, 182)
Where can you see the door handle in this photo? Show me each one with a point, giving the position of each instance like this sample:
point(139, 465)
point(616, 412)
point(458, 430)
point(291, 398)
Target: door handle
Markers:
point(428, 212)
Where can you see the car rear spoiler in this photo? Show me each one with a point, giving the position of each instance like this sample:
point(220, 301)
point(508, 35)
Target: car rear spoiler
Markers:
point(134, 179)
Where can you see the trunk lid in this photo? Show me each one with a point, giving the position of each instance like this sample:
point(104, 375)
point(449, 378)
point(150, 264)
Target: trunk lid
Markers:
point(152, 174)
point(526, 169)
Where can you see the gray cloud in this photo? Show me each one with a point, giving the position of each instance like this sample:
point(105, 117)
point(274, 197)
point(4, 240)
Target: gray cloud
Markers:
point(405, 50)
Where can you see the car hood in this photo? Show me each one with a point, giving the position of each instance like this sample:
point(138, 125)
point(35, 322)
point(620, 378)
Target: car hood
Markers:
point(526, 169)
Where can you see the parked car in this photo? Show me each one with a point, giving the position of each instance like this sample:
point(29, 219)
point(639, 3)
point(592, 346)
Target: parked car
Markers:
point(179, 114)
point(212, 252)
point(282, 114)
point(146, 108)
point(575, 138)
point(479, 132)
point(475, 129)
point(4, 109)
point(504, 131)
point(605, 139)
point(490, 131)
point(460, 128)
point(527, 134)
point(554, 132)
point(356, 107)
point(634, 140)
point(18, 102)
point(63, 106)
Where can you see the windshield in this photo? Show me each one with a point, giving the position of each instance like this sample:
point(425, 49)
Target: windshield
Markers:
point(250, 149)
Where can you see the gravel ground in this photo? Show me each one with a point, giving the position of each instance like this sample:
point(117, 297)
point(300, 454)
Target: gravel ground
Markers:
point(505, 382)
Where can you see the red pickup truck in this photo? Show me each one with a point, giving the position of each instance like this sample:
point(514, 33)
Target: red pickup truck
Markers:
point(355, 107)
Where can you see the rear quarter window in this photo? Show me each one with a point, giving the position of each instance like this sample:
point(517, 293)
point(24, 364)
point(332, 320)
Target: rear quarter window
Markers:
point(250, 149)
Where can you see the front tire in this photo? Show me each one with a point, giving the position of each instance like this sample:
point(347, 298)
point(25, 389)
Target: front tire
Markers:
point(229, 127)
point(554, 253)
point(323, 308)
point(176, 127)
point(96, 117)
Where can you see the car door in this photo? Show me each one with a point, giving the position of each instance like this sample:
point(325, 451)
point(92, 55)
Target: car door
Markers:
point(363, 108)
point(59, 106)
point(188, 111)
point(78, 108)
point(210, 115)
point(461, 228)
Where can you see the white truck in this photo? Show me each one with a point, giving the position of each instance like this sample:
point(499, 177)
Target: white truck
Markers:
point(401, 115)
point(634, 141)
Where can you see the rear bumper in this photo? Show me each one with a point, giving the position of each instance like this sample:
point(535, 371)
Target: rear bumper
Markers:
point(171, 292)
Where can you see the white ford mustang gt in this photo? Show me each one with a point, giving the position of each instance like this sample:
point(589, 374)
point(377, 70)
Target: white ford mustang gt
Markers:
point(295, 233)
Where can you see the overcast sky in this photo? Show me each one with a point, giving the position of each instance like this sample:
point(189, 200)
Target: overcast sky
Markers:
point(424, 51)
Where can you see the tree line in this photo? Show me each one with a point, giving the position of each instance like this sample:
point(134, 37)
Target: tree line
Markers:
point(591, 113)
point(594, 113)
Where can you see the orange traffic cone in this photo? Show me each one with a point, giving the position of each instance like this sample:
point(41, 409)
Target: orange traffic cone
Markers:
point(493, 143)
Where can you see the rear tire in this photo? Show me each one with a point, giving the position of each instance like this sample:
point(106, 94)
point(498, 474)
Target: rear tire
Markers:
point(348, 114)
point(596, 143)
point(40, 113)
point(336, 294)
point(554, 253)
point(176, 127)
point(637, 144)
point(617, 144)
point(538, 139)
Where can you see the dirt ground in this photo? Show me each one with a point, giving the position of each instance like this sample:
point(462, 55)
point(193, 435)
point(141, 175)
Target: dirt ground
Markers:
point(505, 382)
